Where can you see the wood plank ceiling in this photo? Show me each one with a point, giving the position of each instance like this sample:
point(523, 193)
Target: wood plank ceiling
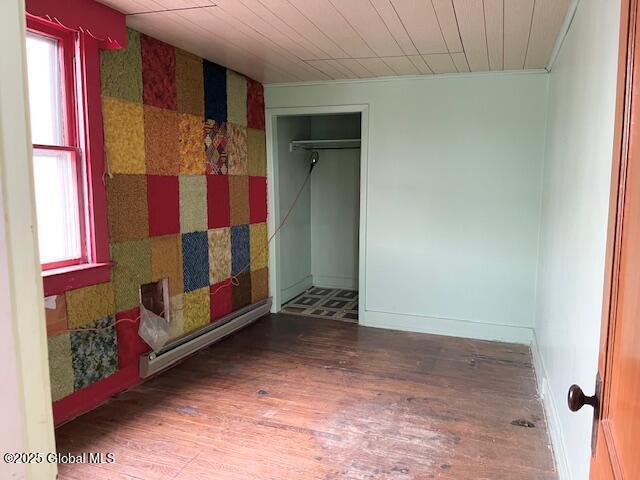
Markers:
point(300, 40)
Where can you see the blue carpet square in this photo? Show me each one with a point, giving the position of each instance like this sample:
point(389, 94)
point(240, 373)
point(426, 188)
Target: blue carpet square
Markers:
point(94, 354)
point(195, 260)
point(215, 91)
point(239, 249)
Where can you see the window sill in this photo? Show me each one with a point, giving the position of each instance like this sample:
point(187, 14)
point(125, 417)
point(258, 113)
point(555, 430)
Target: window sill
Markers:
point(59, 280)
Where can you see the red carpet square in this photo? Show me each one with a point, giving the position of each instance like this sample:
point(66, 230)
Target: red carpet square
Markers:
point(163, 198)
point(158, 73)
point(218, 207)
point(255, 104)
point(257, 199)
point(221, 299)
point(130, 345)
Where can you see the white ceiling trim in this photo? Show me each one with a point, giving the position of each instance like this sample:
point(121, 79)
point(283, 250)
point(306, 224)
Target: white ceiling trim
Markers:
point(411, 78)
point(564, 30)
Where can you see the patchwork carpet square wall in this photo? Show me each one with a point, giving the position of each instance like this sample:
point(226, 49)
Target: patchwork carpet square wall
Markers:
point(187, 201)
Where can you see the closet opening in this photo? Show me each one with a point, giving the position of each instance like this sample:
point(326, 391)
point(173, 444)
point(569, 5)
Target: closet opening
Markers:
point(317, 167)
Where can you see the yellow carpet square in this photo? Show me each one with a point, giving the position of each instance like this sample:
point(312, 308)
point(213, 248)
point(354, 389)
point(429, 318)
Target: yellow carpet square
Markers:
point(161, 141)
point(258, 246)
point(132, 268)
point(256, 153)
point(236, 98)
point(86, 305)
point(197, 313)
point(123, 124)
point(166, 261)
point(60, 366)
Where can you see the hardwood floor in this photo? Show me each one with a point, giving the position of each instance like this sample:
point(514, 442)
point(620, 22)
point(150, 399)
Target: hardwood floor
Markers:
point(299, 398)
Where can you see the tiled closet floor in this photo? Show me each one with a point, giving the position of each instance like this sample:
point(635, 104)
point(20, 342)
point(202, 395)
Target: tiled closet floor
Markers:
point(320, 302)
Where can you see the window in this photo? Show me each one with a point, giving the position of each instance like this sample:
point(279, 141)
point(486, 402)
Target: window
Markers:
point(57, 165)
point(63, 66)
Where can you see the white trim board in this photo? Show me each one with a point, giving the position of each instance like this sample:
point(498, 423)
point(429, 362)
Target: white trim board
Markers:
point(447, 326)
point(27, 417)
point(404, 78)
point(297, 288)
point(554, 427)
point(335, 282)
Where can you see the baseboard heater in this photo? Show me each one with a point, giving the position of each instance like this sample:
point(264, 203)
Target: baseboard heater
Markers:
point(154, 362)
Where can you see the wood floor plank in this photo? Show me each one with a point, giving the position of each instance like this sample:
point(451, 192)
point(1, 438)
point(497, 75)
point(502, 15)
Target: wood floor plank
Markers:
point(300, 398)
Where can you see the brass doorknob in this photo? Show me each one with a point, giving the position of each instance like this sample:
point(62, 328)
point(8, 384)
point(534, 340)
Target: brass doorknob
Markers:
point(577, 399)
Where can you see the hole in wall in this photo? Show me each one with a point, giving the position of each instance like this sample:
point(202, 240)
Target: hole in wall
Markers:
point(154, 297)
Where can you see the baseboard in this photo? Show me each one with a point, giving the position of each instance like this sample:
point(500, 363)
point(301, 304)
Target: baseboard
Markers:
point(335, 282)
point(296, 289)
point(449, 327)
point(554, 427)
point(176, 351)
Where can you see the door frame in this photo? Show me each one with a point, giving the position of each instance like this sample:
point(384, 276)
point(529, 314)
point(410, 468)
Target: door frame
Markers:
point(26, 397)
point(619, 168)
point(271, 116)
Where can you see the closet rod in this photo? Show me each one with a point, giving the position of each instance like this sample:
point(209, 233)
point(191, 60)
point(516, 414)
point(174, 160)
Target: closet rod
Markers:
point(337, 144)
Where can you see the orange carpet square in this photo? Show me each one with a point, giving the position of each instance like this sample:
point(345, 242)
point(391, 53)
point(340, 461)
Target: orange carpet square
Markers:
point(189, 83)
point(127, 207)
point(191, 144)
point(259, 285)
point(239, 199)
point(161, 141)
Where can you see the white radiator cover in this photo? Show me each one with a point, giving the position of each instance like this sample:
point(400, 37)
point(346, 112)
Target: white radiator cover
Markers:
point(154, 362)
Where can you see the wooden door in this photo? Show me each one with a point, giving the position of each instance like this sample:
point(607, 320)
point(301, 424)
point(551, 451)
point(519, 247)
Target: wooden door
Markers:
point(617, 441)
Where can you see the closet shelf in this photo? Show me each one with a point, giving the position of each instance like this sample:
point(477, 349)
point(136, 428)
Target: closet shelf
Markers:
point(339, 144)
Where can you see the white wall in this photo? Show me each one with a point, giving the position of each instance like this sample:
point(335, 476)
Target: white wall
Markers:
point(335, 219)
point(335, 202)
point(453, 182)
point(337, 125)
point(295, 236)
point(574, 222)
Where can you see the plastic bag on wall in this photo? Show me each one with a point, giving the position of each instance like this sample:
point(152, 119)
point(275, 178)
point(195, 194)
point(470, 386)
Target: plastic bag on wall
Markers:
point(154, 329)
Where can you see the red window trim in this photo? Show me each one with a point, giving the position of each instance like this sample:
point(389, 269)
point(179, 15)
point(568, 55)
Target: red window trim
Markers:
point(67, 42)
point(89, 141)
